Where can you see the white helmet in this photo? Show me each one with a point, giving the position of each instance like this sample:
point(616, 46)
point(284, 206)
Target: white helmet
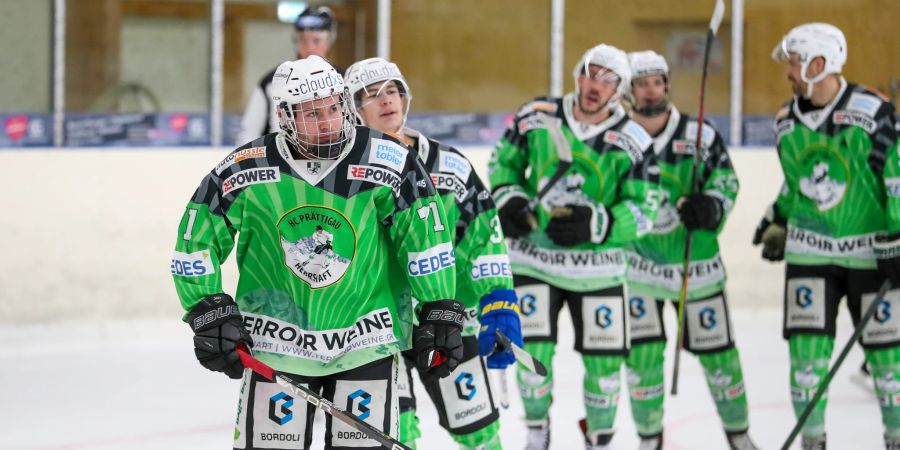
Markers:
point(647, 63)
point(367, 72)
point(812, 40)
point(610, 58)
point(308, 84)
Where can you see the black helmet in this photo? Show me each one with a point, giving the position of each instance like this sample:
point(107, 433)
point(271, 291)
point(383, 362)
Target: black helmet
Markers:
point(320, 18)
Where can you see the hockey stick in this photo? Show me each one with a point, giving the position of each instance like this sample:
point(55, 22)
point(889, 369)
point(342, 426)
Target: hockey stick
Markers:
point(563, 152)
point(317, 400)
point(530, 362)
point(857, 332)
point(714, 23)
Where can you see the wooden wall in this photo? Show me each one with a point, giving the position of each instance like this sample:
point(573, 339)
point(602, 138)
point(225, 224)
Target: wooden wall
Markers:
point(482, 56)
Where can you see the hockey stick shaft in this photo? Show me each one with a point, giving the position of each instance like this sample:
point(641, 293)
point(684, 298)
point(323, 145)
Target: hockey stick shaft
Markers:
point(823, 387)
point(317, 400)
point(714, 22)
point(523, 357)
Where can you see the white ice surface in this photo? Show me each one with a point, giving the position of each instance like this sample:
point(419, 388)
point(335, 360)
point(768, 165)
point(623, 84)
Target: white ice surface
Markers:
point(136, 385)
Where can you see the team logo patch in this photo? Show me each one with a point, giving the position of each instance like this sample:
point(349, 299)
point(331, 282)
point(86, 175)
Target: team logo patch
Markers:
point(238, 156)
point(319, 244)
point(826, 181)
point(313, 167)
point(250, 177)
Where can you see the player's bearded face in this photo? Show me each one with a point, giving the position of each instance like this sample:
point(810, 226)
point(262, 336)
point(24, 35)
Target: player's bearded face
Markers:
point(596, 88)
point(382, 106)
point(650, 95)
point(319, 122)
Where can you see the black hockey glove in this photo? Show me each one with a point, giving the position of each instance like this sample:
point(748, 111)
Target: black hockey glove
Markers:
point(577, 224)
point(772, 234)
point(437, 340)
point(515, 216)
point(218, 328)
point(700, 212)
point(887, 252)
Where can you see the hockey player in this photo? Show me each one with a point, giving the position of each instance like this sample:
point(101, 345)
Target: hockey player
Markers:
point(835, 221)
point(464, 401)
point(655, 262)
point(314, 32)
point(576, 255)
point(338, 326)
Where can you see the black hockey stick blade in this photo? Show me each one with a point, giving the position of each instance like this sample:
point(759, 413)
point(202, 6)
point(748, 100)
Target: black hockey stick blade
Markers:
point(314, 399)
point(530, 362)
point(857, 332)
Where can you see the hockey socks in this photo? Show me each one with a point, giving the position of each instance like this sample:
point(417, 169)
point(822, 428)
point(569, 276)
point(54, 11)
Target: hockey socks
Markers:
point(810, 355)
point(645, 386)
point(535, 390)
point(885, 367)
point(602, 383)
point(726, 385)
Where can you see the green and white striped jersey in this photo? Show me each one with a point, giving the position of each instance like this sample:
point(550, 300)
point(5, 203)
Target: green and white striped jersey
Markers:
point(329, 252)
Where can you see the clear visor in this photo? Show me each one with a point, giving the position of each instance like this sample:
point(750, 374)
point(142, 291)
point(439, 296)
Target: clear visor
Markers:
point(379, 91)
point(320, 128)
point(601, 74)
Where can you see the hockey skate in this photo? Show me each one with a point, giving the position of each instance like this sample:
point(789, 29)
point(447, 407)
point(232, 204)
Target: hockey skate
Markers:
point(599, 440)
point(538, 435)
point(815, 443)
point(651, 442)
point(891, 443)
point(740, 441)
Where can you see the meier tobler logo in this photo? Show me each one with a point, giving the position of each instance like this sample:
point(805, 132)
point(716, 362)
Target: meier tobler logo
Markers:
point(286, 402)
point(465, 386)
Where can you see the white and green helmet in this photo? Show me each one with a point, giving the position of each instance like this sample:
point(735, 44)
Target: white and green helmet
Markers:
point(367, 72)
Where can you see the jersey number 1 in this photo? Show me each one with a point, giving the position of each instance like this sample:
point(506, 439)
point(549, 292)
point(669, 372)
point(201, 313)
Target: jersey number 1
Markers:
point(431, 209)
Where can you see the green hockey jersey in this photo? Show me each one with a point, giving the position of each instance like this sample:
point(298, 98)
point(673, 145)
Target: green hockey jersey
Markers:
point(329, 252)
point(656, 260)
point(613, 166)
point(482, 263)
point(842, 179)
